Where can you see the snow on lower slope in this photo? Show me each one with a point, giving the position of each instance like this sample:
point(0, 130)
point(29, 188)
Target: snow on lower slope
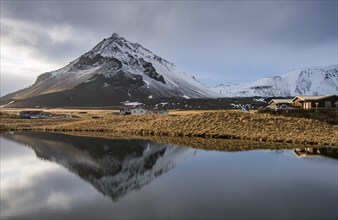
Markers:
point(308, 81)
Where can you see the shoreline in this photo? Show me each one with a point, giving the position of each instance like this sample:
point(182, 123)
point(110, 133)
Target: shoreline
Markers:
point(208, 144)
point(218, 125)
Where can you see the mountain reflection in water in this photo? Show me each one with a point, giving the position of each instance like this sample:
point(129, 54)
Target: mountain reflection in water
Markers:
point(113, 167)
point(129, 179)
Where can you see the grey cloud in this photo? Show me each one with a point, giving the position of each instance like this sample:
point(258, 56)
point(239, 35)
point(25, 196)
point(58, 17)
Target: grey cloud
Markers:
point(284, 22)
point(226, 38)
point(89, 20)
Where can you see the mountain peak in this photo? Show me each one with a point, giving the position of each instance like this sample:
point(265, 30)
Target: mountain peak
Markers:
point(115, 35)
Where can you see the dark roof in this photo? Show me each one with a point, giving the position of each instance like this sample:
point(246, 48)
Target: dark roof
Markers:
point(31, 112)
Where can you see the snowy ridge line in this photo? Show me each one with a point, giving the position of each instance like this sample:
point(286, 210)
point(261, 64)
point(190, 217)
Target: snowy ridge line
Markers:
point(308, 81)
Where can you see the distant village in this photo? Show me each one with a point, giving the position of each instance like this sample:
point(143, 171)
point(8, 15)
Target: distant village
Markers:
point(138, 108)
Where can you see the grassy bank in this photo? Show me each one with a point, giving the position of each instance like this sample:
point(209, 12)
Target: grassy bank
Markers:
point(228, 145)
point(329, 115)
point(208, 124)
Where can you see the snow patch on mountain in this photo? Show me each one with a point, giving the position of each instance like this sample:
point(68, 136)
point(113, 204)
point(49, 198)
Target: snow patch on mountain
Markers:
point(308, 81)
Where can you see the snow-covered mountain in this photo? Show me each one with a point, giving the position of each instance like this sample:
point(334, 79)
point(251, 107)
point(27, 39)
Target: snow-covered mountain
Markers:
point(308, 81)
point(120, 69)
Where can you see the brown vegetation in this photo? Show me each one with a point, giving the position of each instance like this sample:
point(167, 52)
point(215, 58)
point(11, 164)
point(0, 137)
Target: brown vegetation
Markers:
point(234, 125)
point(197, 142)
point(4, 128)
point(329, 115)
point(207, 124)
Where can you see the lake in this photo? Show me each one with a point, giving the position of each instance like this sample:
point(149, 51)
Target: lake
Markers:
point(49, 175)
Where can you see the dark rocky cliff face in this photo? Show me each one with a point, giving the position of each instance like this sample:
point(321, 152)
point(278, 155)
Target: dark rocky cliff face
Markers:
point(151, 71)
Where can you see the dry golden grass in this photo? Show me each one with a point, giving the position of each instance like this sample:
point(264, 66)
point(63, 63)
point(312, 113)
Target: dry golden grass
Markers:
point(206, 124)
point(81, 113)
point(196, 142)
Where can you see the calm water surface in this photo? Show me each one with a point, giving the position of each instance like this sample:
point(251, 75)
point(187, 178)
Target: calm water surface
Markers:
point(65, 177)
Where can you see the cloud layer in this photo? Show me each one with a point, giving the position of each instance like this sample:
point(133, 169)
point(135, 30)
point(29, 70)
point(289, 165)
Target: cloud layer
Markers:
point(227, 41)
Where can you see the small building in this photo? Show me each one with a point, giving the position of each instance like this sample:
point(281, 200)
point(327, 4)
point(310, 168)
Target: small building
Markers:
point(308, 102)
point(134, 108)
point(29, 114)
point(35, 114)
point(279, 103)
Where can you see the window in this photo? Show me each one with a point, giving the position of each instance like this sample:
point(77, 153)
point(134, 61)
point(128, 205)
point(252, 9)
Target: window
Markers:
point(327, 104)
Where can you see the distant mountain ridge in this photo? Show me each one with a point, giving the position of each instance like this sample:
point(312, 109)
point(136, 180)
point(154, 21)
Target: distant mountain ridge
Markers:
point(114, 70)
point(118, 70)
point(308, 81)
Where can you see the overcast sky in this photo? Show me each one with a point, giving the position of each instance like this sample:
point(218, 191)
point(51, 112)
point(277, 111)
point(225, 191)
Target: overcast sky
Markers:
point(216, 41)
